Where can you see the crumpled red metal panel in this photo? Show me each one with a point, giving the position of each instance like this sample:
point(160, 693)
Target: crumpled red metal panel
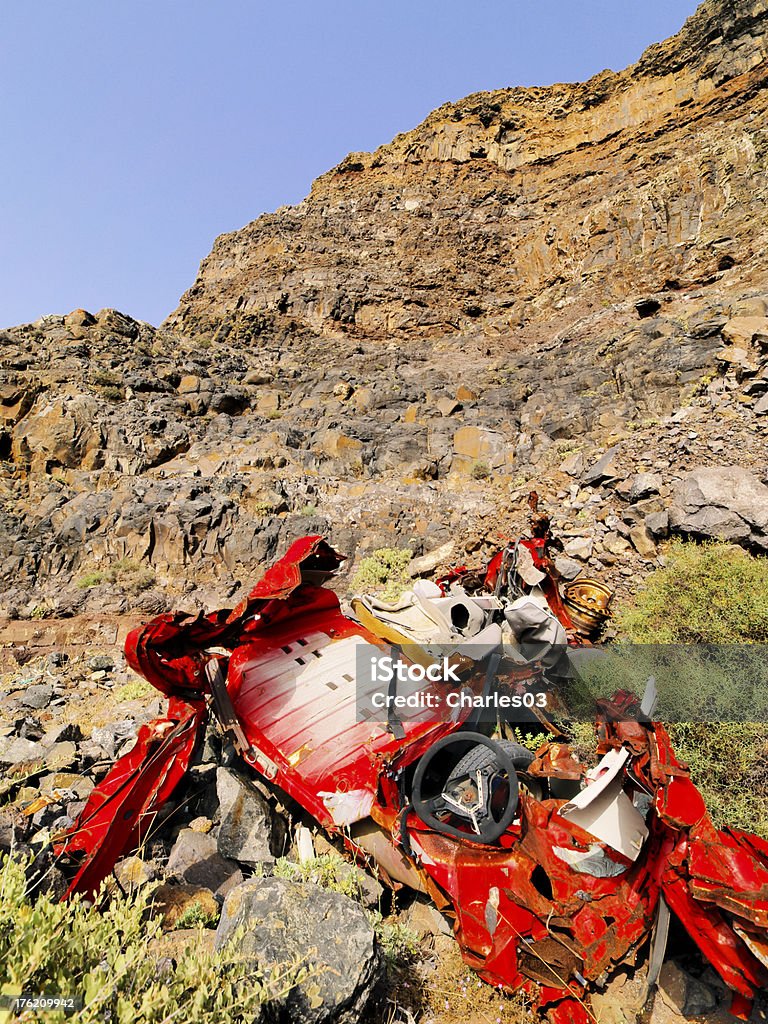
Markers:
point(526, 917)
point(170, 652)
point(121, 810)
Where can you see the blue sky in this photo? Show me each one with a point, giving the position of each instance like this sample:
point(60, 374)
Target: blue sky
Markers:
point(135, 131)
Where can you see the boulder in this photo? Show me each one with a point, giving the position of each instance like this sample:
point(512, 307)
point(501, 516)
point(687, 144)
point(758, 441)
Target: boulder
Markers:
point(740, 330)
point(681, 996)
point(727, 503)
point(644, 485)
point(37, 696)
point(428, 562)
point(579, 547)
point(248, 831)
point(604, 469)
point(195, 859)
point(642, 541)
point(286, 921)
point(657, 524)
point(476, 444)
point(567, 567)
point(111, 737)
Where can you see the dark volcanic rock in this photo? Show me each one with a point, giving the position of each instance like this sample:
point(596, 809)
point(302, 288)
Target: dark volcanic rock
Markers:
point(287, 920)
point(248, 831)
point(728, 503)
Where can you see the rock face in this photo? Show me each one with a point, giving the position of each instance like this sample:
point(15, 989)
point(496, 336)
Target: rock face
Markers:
point(335, 941)
point(563, 289)
point(520, 205)
point(727, 503)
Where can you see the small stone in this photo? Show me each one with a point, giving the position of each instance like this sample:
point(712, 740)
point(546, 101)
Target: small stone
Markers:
point(110, 737)
point(604, 469)
point(134, 871)
point(448, 406)
point(248, 832)
point(567, 567)
point(195, 859)
point(615, 543)
point(425, 920)
point(16, 750)
point(189, 385)
point(201, 824)
point(29, 728)
point(657, 524)
point(80, 785)
point(101, 663)
point(429, 562)
point(37, 696)
point(573, 465)
point(644, 485)
point(60, 755)
point(579, 547)
point(682, 994)
point(760, 407)
point(642, 542)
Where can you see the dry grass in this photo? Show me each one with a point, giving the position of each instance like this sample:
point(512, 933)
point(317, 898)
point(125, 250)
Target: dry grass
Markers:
point(443, 990)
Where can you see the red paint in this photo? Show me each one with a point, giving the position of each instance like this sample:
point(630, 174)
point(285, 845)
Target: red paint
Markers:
point(525, 919)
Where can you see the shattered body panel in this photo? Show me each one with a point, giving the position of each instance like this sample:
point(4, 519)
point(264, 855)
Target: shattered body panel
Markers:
point(550, 908)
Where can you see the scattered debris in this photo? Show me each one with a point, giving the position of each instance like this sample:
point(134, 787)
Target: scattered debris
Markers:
point(554, 876)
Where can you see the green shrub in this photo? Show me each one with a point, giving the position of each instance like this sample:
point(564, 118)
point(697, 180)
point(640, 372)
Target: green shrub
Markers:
point(132, 577)
point(729, 764)
point(134, 690)
point(480, 471)
point(330, 871)
point(399, 944)
point(706, 593)
point(194, 916)
point(384, 571)
point(104, 957)
point(712, 593)
point(93, 579)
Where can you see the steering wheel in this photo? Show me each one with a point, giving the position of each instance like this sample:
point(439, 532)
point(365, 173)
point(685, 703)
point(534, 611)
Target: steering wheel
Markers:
point(471, 800)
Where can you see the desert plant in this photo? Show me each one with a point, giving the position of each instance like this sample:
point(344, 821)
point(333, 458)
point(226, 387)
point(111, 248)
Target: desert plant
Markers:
point(102, 958)
point(195, 916)
point(706, 593)
point(134, 690)
point(711, 594)
point(384, 571)
point(480, 470)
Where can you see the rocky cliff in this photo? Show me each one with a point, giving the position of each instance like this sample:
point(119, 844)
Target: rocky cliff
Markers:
point(522, 207)
point(559, 288)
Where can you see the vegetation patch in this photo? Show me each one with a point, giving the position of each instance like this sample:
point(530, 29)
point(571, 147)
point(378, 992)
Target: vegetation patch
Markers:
point(101, 957)
point(710, 593)
point(713, 594)
point(134, 691)
point(384, 572)
point(132, 577)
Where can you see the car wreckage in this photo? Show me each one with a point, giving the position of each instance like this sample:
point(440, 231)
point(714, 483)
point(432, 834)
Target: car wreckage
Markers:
point(554, 876)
